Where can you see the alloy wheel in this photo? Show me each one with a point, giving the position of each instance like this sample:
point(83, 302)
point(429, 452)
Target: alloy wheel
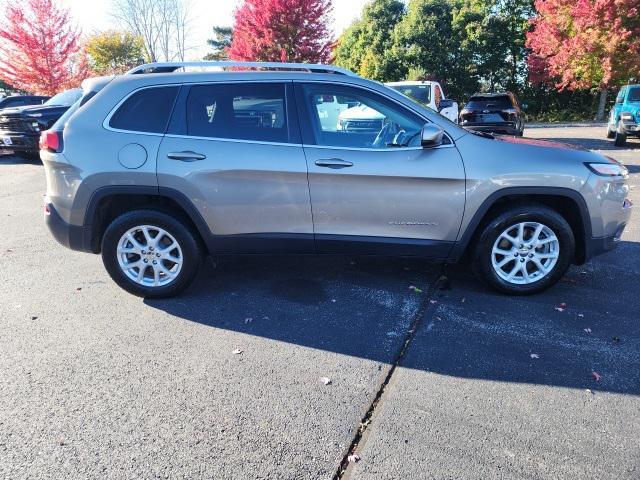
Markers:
point(150, 256)
point(525, 253)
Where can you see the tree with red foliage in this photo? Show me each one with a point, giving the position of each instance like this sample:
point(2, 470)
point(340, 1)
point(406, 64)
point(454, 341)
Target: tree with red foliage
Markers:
point(585, 44)
point(39, 49)
point(282, 30)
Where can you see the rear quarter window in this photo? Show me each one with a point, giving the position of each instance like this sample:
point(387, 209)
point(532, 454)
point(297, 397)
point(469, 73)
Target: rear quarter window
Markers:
point(146, 111)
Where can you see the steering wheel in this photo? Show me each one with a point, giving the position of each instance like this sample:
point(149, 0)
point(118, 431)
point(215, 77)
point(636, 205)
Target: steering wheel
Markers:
point(390, 130)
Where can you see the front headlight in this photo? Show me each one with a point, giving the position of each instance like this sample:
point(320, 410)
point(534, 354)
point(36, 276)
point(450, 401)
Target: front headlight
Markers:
point(626, 116)
point(608, 169)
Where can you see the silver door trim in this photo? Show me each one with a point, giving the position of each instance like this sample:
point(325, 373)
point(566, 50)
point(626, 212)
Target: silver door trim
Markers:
point(388, 149)
point(233, 140)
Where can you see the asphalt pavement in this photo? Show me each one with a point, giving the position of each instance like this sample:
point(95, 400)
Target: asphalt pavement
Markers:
point(228, 381)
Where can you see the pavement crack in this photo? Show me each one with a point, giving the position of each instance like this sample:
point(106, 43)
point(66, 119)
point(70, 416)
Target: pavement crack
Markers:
point(416, 323)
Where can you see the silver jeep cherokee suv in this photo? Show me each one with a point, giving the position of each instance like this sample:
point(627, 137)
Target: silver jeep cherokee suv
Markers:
point(158, 167)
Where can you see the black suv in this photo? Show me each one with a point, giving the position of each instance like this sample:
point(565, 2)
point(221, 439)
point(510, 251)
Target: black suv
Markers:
point(22, 101)
point(20, 127)
point(493, 113)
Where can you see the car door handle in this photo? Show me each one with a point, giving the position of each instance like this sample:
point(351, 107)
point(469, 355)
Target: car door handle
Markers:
point(334, 163)
point(186, 156)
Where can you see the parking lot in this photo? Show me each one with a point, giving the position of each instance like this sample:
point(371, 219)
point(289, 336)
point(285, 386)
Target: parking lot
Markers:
point(444, 380)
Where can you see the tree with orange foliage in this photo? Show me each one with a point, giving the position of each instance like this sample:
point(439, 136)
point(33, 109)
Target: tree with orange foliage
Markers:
point(282, 30)
point(40, 50)
point(585, 44)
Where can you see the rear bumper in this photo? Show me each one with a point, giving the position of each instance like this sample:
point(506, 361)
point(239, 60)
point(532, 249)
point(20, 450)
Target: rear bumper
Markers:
point(506, 127)
point(71, 236)
point(19, 142)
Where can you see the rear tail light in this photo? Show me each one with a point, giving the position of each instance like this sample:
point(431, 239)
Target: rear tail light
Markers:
point(51, 141)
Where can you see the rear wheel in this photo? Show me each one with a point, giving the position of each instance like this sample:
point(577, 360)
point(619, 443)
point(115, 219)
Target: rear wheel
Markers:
point(151, 254)
point(525, 250)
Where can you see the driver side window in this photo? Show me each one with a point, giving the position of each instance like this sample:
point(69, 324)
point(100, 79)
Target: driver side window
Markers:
point(350, 118)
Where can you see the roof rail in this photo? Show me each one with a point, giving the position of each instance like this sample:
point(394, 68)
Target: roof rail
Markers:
point(169, 67)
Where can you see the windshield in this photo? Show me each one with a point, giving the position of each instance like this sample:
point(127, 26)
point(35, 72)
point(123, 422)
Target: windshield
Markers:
point(419, 93)
point(66, 98)
point(634, 95)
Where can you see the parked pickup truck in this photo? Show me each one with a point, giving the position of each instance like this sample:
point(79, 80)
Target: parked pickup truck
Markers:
point(357, 117)
point(624, 119)
point(429, 94)
point(20, 127)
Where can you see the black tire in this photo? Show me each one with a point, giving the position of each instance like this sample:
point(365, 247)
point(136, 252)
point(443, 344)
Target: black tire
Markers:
point(192, 254)
point(619, 138)
point(514, 216)
point(610, 133)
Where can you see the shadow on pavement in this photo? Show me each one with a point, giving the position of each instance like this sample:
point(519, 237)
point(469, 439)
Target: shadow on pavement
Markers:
point(11, 159)
point(365, 309)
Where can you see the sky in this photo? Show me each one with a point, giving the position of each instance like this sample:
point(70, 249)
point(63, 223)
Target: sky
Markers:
point(93, 15)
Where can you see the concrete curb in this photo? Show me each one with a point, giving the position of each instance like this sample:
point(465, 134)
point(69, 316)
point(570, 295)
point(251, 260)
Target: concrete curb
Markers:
point(566, 125)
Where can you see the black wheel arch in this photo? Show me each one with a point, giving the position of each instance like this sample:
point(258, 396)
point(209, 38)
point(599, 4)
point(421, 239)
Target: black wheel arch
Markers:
point(566, 201)
point(108, 202)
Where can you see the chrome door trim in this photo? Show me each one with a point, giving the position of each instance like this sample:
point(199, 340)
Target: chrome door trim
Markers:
point(233, 140)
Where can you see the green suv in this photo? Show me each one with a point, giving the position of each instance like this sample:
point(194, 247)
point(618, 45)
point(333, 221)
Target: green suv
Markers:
point(625, 115)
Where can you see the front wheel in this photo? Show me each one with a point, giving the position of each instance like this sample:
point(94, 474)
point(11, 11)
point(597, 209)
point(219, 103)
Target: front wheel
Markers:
point(525, 250)
point(151, 254)
point(619, 136)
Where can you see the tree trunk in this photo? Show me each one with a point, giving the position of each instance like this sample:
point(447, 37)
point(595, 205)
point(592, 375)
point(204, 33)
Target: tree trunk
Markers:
point(601, 104)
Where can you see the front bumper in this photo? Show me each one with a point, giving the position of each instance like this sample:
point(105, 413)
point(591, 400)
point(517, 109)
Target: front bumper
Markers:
point(71, 236)
point(630, 127)
point(19, 142)
point(600, 245)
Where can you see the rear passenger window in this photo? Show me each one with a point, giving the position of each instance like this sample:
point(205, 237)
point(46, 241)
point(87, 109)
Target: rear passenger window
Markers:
point(146, 111)
point(254, 111)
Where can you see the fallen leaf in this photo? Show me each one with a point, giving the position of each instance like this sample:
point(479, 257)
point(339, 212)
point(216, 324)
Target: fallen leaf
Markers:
point(354, 458)
point(588, 330)
point(433, 302)
point(559, 309)
point(237, 351)
point(589, 391)
point(581, 315)
point(333, 300)
point(563, 305)
point(464, 300)
point(534, 355)
point(34, 318)
point(616, 340)
point(596, 376)
point(248, 320)
point(325, 380)
point(415, 289)
point(78, 289)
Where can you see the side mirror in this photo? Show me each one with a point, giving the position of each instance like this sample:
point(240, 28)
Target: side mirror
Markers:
point(431, 135)
point(445, 103)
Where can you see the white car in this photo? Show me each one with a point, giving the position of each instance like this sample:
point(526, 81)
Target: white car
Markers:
point(429, 94)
